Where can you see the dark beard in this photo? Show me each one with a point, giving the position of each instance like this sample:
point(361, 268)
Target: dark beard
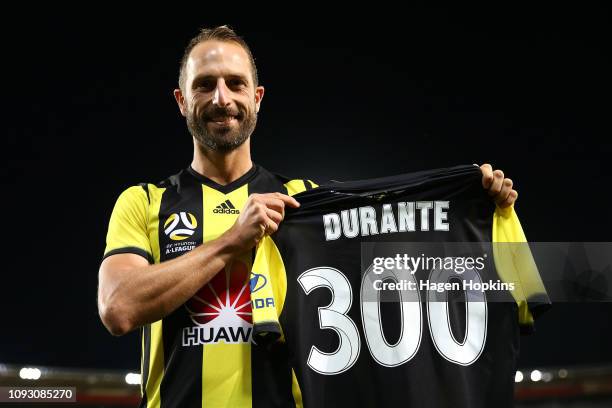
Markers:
point(221, 140)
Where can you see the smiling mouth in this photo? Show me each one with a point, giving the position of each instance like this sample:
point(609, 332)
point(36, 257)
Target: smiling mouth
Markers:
point(223, 120)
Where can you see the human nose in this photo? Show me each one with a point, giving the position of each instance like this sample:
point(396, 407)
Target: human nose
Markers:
point(221, 97)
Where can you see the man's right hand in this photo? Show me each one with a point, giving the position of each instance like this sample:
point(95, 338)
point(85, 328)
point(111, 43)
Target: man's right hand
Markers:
point(260, 216)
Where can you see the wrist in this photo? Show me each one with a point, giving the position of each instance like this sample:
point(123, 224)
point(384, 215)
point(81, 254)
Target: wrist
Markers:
point(228, 245)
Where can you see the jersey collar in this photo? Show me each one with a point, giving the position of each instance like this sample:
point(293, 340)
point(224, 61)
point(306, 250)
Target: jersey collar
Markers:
point(225, 189)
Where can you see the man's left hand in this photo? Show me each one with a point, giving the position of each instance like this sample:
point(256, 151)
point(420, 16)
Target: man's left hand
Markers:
point(498, 187)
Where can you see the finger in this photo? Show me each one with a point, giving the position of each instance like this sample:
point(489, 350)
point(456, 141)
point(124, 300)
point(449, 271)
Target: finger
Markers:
point(269, 220)
point(274, 216)
point(271, 227)
point(276, 200)
point(275, 204)
point(487, 175)
point(264, 228)
point(265, 201)
point(290, 201)
point(496, 186)
point(510, 200)
point(504, 193)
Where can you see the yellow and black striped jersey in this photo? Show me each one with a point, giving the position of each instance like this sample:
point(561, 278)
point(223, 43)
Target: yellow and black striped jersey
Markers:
point(408, 291)
point(201, 355)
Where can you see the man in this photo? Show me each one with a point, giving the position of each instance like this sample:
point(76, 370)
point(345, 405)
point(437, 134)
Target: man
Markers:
point(194, 309)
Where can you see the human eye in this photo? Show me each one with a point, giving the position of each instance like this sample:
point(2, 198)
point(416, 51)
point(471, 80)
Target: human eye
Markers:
point(204, 85)
point(236, 83)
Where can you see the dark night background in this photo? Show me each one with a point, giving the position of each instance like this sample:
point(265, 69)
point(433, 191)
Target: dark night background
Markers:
point(88, 110)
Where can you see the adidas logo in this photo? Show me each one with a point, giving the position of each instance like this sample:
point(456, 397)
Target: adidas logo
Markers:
point(226, 207)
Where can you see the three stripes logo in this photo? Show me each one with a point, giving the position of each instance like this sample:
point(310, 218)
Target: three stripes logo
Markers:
point(226, 207)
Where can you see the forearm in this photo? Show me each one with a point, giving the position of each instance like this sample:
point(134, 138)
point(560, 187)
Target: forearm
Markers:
point(147, 294)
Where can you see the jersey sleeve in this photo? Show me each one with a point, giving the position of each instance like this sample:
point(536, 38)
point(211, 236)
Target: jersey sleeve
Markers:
point(268, 290)
point(127, 229)
point(514, 263)
point(297, 186)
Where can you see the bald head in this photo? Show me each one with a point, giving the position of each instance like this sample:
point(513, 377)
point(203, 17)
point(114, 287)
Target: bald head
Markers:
point(222, 34)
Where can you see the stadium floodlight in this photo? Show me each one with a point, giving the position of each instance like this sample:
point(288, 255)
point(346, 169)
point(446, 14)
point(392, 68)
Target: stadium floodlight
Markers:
point(536, 375)
point(29, 373)
point(132, 378)
point(518, 377)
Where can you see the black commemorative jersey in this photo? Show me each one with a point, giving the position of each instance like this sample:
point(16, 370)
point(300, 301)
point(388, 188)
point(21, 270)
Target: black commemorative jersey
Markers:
point(409, 291)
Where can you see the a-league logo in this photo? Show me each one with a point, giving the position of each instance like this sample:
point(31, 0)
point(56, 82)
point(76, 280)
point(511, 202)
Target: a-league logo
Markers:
point(180, 226)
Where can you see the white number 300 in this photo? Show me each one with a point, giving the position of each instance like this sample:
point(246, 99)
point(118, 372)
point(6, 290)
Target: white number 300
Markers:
point(334, 316)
